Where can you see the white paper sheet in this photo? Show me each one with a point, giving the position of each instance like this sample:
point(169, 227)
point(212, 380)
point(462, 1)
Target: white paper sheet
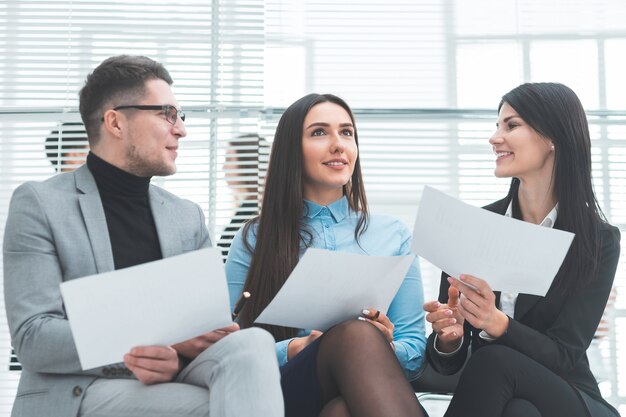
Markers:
point(511, 255)
point(328, 287)
point(156, 303)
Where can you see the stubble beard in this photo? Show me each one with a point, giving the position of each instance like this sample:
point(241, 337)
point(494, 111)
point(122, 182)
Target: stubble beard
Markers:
point(143, 167)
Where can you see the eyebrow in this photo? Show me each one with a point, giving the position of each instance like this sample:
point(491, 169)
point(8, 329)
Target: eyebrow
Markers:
point(506, 119)
point(328, 124)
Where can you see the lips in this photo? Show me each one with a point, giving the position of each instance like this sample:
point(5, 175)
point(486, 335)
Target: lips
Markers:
point(336, 163)
point(502, 154)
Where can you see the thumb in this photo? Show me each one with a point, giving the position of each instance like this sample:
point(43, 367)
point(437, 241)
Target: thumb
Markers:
point(315, 334)
point(453, 297)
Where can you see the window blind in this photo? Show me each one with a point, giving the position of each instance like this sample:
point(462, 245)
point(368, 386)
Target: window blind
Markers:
point(424, 78)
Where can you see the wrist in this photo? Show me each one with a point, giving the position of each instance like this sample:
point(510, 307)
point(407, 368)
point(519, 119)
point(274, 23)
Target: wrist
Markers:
point(500, 326)
point(291, 348)
point(448, 347)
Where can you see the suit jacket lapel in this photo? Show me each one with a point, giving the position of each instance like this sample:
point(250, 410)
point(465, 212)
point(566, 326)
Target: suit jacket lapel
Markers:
point(95, 220)
point(166, 224)
point(523, 305)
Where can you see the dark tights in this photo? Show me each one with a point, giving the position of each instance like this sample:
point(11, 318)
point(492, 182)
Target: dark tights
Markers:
point(501, 382)
point(360, 376)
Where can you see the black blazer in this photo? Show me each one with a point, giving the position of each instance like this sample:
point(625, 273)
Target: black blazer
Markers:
point(553, 330)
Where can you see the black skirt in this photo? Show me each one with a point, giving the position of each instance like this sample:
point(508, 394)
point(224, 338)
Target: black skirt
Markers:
point(301, 387)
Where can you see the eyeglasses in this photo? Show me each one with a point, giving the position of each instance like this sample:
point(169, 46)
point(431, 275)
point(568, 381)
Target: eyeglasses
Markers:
point(171, 112)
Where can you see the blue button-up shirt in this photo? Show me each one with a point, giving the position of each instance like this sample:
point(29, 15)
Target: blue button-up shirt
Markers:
point(332, 228)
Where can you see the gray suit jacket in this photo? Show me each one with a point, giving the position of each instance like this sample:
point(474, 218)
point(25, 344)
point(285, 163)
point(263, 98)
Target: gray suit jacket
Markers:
point(56, 231)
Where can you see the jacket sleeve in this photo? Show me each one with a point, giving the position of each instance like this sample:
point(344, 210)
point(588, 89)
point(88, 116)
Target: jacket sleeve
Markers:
point(40, 331)
point(566, 340)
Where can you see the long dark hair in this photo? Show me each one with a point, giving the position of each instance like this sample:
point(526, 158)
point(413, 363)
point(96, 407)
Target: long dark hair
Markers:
point(281, 232)
point(556, 113)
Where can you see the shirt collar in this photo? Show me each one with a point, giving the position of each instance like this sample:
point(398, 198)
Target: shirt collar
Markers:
point(338, 209)
point(549, 221)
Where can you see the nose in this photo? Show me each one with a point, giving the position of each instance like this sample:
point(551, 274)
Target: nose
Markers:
point(336, 146)
point(179, 128)
point(496, 138)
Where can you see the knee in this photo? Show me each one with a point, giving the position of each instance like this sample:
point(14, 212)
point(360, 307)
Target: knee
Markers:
point(254, 341)
point(491, 361)
point(355, 330)
point(518, 407)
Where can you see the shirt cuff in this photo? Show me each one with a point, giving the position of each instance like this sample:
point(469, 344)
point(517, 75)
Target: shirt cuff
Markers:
point(281, 351)
point(454, 352)
point(486, 336)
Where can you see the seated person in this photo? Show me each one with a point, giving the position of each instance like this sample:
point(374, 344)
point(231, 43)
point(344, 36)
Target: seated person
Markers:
point(314, 197)
point(106, 216)
point(529, 352)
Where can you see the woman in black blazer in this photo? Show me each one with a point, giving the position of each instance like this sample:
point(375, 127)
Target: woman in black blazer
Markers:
point(529, 352)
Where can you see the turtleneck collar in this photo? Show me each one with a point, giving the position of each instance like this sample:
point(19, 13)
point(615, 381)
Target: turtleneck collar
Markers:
point(111, 179)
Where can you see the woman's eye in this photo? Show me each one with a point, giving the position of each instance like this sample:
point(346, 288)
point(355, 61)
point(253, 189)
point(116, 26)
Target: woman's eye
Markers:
point(347, 132)
point(318, 132)
point(512, 125)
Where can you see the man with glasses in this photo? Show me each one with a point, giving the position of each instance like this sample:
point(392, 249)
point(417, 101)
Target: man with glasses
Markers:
point(106, 216)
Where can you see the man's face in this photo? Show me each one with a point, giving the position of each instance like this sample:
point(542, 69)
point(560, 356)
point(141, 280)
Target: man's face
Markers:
point(151, 141)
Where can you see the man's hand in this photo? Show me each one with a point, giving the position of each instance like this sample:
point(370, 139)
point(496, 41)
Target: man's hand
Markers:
point(193, 347)
point(153, 364)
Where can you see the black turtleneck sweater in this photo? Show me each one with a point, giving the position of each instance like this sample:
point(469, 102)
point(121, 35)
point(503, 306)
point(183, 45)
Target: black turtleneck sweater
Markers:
point(132, 232)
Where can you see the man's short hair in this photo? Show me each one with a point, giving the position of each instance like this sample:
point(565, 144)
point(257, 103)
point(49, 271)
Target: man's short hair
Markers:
point(116, 79)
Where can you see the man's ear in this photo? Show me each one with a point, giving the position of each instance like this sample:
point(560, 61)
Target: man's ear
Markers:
point(114, 123)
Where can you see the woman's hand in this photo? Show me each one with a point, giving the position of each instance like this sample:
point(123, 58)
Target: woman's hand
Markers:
point(381, 321)
point(297, 344)
point(478, 305)
point(447, 321)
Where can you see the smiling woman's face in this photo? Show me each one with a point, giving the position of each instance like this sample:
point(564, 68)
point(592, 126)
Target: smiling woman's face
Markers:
point(329, 152)
point(520, 151)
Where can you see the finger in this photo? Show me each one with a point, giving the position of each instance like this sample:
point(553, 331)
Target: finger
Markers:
point(431, 306)
point(453, 296)
point(439, 315)
point(441, 325)
point(385, 331)
point(480, 285)
point(212, 337)
point(156, 352)
point(148, 377)
point(450, 334)
point(384, 320)
point(371, 313)
point(467, 308)
point(315, 334)
point(463, 287)
point(229, 329)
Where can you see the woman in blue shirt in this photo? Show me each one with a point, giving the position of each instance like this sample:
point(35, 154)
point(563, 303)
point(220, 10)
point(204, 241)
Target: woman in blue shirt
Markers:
point(314, 197)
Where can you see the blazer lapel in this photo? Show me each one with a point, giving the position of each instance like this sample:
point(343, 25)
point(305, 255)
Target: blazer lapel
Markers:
point(523, 305)
point(95, 220)
point(166, 224)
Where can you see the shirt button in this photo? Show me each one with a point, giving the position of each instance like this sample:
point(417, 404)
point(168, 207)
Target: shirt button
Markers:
point(326, 226)
point(77, 391)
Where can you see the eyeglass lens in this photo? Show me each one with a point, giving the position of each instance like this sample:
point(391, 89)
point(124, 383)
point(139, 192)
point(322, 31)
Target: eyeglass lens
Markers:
point(172, 114)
